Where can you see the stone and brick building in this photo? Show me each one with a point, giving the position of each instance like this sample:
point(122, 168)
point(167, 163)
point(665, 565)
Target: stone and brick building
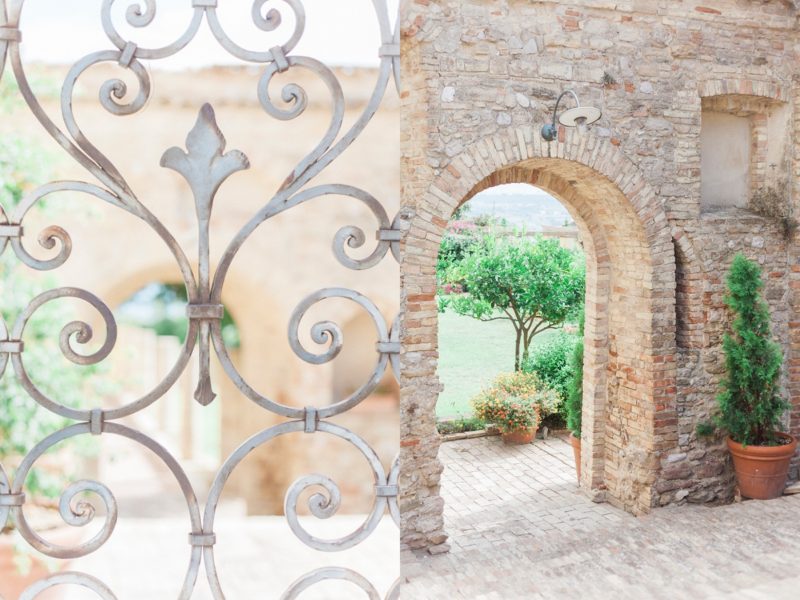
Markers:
point(701, 116)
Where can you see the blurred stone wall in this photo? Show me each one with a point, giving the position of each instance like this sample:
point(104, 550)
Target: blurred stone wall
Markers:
point(287, 258)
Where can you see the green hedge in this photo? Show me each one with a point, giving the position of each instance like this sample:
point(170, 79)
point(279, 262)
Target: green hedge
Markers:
point(552, 362)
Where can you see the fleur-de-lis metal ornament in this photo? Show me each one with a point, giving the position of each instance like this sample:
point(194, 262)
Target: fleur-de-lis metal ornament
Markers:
point(205, 166)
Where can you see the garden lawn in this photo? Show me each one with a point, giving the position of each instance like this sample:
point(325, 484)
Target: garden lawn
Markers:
point(471, 354)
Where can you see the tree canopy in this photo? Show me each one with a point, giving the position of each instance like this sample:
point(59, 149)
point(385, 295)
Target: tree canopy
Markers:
point(532, 282)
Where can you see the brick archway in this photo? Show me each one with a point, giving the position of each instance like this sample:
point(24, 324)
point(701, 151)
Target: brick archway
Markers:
point(630, 417)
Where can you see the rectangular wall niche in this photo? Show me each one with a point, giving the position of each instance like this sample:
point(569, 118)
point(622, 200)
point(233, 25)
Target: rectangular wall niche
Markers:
point(742, 149)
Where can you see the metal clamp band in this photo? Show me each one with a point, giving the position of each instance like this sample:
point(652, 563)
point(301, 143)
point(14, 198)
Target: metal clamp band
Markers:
point(204, 3)
point(389, 235)
point(388, 347)
point(205, 311)
point(204, 540)
point(389, 50)
point(312, 418)
point(12, 499)
point(11, 231)
point(96, 421)
point(12, 347)
point(10, 34)
point(128, 54)
point(387, 491)
point(279, 57)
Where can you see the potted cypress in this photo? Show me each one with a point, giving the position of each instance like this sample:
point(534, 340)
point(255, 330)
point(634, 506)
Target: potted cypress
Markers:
point(574, 400)
point(750, 403)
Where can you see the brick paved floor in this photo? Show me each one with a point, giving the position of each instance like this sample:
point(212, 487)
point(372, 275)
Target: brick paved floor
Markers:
point(520, 529)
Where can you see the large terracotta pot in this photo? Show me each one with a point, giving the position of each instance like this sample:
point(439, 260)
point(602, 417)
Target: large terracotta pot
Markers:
point(519, 436)
point(576, 450)
point(761, 471)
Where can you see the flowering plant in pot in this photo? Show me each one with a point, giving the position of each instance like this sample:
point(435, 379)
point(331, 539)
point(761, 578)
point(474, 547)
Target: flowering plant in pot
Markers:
point(516, 403)
point(750, 403)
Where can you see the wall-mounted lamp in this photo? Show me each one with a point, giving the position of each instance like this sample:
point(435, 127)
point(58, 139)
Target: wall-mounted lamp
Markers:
point(580, 117)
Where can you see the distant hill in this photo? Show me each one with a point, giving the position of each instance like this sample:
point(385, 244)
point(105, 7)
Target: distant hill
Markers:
point(531, 211)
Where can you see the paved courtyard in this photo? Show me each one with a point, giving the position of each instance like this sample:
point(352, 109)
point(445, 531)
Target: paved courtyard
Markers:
point(521, 529)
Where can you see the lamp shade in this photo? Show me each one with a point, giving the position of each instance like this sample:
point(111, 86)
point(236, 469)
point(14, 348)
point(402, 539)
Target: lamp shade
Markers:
point(585, 115)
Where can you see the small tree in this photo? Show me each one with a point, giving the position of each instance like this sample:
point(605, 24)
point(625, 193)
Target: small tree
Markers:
point(750, 402)
point(534, 283)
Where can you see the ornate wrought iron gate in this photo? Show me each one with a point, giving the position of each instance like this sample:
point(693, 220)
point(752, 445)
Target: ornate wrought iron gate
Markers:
point(205, 166)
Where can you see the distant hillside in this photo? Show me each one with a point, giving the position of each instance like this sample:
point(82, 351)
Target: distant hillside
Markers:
point(531, 211)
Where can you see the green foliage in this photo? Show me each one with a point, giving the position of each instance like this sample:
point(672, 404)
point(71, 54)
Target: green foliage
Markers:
point(705, 429)
point(515, 401)
point(453, 249)
point(460, 425)
point(485, 220)
point(461, 212)
point(750, 404)
point(534, 283)
point(165, 313)
point(552, 363)
point(574, 401)
point(23, 422)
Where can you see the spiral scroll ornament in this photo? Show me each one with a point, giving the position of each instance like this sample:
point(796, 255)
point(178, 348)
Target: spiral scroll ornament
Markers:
point(205, 165)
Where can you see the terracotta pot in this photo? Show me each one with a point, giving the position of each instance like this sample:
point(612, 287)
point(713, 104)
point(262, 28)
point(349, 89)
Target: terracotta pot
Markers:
point(576, 450)
point(519, 436)
point(761, 471)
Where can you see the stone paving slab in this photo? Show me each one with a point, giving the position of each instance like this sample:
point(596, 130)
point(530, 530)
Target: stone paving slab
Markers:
point(523, 530)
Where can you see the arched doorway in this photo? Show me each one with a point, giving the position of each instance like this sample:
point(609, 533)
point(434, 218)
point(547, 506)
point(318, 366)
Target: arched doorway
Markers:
point(629, 366)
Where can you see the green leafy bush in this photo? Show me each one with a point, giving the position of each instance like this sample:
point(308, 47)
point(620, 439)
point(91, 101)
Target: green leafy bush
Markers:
point(552, 364)
point(574, 401)
point(514, 401)
point(23, 422)
point(750, 404)
point(573, 404)
point(453, 248)
point(460, 425)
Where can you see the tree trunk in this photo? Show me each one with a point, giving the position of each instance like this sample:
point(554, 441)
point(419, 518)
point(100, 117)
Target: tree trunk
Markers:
point(517, 362)
point(526, 344)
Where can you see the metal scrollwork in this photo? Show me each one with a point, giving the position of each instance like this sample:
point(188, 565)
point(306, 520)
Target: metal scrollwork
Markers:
point(205, 166)
point(328, 574)
point(5, 498)
point(69, 578)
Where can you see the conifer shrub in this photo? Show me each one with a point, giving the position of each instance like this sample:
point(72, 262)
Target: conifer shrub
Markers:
point(750, 403)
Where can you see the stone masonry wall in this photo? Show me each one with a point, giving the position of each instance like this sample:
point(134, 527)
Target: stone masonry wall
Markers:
point(481, 74)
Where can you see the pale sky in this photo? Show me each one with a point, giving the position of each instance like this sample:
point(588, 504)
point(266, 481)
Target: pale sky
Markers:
point(340, 32)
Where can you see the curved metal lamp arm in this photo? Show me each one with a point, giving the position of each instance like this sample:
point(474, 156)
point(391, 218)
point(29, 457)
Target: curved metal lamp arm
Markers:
point(549, 132)
point(564, 93)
